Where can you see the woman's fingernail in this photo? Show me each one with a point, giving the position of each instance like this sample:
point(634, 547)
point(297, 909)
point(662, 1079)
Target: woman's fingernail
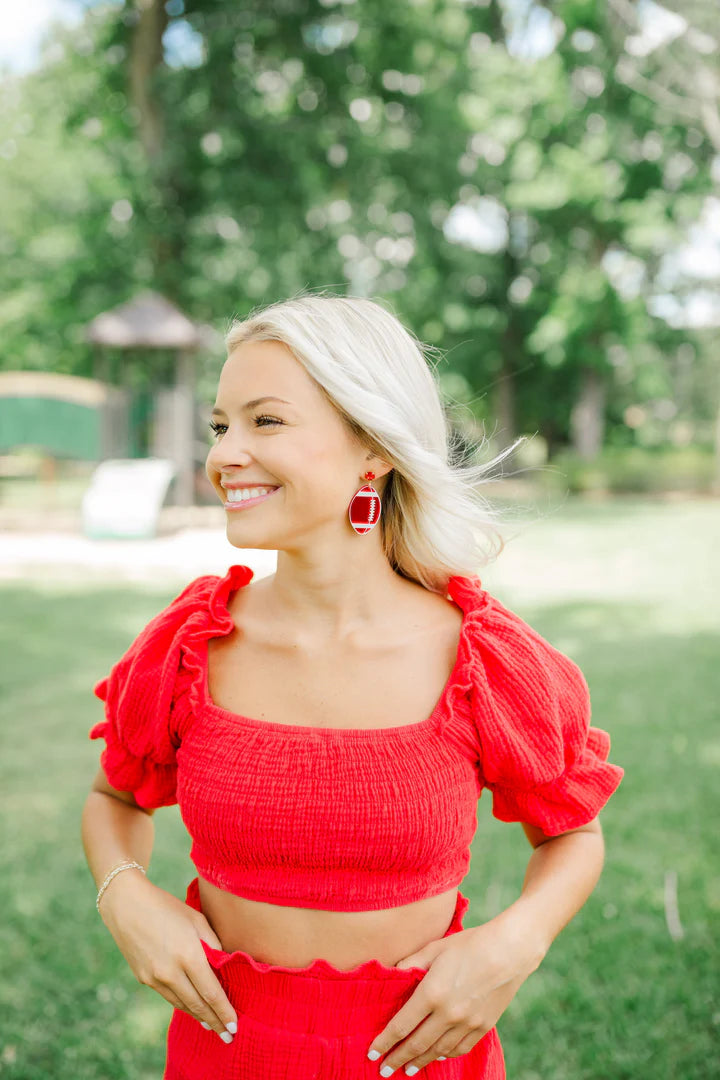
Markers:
point(373, 1054)
point(387, 1070)
point(232, 1027)
point(410, 1070)
point(203, 1024)
point(442, 1058)
point(226, 1036)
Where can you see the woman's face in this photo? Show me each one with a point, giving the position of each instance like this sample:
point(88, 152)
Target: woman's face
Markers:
point(298, 446)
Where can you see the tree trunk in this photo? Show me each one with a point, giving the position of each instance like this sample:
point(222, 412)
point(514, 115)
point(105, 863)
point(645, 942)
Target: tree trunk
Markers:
point(145, 55)
point(716, 483)
point(504, 407)
point(587, 418)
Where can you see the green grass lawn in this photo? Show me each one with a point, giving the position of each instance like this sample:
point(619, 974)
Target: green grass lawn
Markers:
point(630, 590)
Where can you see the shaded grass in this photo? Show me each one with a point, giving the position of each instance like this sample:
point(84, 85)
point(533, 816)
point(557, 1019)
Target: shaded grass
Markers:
point(616, 996)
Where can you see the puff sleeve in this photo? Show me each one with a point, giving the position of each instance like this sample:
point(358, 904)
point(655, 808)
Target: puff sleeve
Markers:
point(538, 753)
point(139, 755)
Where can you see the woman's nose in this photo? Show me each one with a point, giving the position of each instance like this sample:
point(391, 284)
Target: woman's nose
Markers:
point(228, 452)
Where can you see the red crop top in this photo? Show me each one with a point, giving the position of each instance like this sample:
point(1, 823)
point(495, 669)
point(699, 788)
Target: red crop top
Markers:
point(352, 819)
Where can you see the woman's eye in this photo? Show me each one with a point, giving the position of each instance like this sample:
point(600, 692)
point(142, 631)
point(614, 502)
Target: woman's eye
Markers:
point(217, 429)
point(270, 419)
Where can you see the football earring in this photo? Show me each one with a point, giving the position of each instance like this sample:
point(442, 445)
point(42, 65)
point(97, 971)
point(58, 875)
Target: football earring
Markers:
point(365, 507)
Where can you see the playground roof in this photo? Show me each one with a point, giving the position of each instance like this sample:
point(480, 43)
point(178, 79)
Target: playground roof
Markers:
point(149, 320)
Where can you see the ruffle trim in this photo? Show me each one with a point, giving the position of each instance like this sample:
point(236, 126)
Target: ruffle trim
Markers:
point(213, 619)
point(145, 707)
point(475, 602)
point(320, 967)
point(152, 783)
point(573, 799)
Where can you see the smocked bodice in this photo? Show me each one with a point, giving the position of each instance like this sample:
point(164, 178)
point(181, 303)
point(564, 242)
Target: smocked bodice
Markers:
point(350, 818)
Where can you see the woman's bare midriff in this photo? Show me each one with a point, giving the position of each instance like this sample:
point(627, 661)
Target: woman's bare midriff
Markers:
point(259, 671)
point(294, 937)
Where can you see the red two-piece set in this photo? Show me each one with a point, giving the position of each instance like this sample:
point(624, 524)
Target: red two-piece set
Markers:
point(343, 819)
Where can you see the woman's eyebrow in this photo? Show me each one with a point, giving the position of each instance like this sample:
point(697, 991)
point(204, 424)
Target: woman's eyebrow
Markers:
point(251, 404)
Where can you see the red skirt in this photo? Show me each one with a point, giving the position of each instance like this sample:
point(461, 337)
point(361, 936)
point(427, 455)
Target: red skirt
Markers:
point(311, 1023)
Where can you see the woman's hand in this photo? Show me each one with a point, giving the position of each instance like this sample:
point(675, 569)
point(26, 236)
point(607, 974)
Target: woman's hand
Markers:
point(159, 936)
point(472, 976)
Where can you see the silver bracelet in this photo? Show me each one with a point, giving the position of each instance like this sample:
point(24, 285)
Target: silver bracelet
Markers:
point(111, 875)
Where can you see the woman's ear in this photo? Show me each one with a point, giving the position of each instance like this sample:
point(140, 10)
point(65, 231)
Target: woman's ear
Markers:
point(379, 466)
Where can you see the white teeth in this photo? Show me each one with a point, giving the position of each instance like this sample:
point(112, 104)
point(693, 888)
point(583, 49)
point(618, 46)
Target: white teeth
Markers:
point(248, 493)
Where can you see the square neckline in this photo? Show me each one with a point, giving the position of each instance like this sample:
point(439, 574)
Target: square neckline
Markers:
point(281, 727)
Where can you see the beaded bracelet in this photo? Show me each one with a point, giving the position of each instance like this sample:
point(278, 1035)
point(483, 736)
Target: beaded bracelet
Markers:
point(111, 875)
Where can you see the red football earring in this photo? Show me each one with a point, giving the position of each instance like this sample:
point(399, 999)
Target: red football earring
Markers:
point(365, 507)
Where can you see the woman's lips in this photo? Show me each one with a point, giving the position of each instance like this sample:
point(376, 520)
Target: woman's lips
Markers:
point(246, 503)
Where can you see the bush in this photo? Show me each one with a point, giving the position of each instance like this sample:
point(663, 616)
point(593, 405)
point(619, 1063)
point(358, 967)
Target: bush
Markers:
point(633, 469)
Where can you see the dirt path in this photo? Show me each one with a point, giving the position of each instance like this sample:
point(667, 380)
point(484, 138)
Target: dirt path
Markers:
point(63, 554)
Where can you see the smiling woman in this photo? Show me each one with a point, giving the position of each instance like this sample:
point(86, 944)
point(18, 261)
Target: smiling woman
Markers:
point(371, 390)
point(327, 732)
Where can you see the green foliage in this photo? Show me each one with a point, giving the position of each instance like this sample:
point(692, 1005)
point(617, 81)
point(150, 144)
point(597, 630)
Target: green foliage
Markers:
point(315, 147)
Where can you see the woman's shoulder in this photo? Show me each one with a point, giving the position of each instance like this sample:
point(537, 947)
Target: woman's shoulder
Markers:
point(531, 706)
point(150, 657)
point(533, 691)
point(139, 694)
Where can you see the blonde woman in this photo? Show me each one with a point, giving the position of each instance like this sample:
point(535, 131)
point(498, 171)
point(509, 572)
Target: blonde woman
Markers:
point(327, 731)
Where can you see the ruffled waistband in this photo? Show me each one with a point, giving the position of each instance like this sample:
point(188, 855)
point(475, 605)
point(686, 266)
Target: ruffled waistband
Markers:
point(297, 993)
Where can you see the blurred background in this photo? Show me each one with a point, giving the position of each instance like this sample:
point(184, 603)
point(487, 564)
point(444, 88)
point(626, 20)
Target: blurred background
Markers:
point(534, 189)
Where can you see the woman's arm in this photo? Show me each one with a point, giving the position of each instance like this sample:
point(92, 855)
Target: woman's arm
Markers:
point(472, 976)
point(561, 874)
point(115, 830)
point(159, 935)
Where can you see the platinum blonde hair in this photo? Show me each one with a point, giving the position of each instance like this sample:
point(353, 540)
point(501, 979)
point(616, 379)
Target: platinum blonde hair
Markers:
point(435, 522)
